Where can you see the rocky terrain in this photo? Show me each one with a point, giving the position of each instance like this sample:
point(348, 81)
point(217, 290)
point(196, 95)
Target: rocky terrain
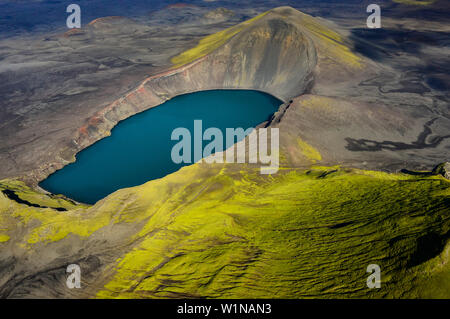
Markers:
point(193, 233)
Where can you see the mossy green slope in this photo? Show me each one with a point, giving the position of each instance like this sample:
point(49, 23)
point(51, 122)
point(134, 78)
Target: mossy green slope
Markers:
point(298, 234)
point(416, 2)
point(229, 232)
point(48, 224)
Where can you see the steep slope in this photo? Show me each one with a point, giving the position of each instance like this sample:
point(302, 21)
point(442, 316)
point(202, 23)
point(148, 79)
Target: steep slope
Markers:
point(227, 231)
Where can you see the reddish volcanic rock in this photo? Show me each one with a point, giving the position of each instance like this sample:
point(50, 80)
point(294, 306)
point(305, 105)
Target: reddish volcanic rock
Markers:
point(105, 20)
point(73, 32)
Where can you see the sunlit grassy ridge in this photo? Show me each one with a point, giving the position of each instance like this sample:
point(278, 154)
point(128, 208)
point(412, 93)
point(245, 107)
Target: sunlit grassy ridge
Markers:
point(300, 234)
point(46, 225)
point(416, 2)
point(210, 43)
point(50, 224)
point(3, 238)
point(27, 194)
point(221, 232)
point(309, 152)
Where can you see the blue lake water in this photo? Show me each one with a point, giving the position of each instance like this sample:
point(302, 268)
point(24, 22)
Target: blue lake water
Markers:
point(139, 148)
